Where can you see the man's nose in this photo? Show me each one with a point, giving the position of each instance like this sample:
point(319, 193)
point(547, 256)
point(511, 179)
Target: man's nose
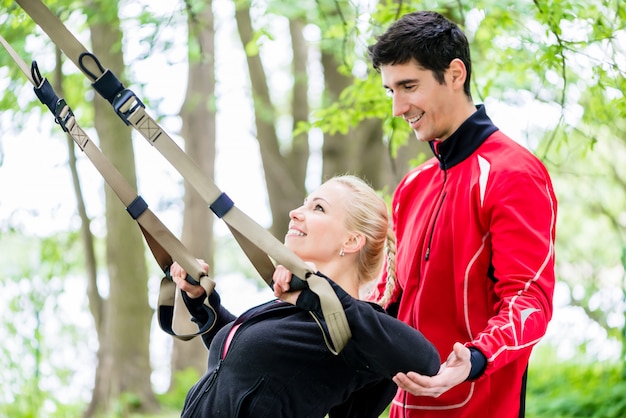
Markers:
point(399, 105)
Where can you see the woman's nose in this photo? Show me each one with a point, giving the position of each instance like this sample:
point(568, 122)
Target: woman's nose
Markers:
point(295, 213)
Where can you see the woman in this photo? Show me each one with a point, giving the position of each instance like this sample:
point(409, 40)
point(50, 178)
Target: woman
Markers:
point(272, 361)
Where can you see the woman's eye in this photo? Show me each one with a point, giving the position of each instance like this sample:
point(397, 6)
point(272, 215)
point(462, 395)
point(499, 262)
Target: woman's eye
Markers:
point(318, 208)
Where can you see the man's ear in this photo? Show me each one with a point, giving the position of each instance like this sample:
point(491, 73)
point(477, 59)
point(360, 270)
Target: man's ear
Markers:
point(457, 73)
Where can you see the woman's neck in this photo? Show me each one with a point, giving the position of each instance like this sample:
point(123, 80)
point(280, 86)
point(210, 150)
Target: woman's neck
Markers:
point(344, 274)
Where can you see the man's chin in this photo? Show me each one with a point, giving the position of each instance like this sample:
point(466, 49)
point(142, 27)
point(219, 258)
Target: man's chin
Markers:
point(419, 137)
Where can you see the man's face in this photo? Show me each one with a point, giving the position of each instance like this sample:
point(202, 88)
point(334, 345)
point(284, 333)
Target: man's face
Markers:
point(421, 100)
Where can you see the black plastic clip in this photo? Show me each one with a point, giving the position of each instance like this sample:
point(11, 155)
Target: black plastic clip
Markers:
point(121, 99)
point(62, 120)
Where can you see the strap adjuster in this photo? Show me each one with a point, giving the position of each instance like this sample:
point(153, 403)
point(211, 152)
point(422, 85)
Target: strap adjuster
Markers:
point(126, 103)
point(62, 120)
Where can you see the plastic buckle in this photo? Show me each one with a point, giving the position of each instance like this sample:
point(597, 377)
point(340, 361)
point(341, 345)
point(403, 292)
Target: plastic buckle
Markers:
point(121, 99)
point(60, 105)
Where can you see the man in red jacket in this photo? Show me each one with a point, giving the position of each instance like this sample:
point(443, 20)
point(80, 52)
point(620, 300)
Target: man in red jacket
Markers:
point(475, 228)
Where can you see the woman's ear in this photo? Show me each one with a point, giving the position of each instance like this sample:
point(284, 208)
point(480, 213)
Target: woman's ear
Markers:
point(354, 243)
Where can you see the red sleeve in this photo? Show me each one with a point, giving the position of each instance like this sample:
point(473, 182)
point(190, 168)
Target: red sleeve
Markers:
point(522, 227)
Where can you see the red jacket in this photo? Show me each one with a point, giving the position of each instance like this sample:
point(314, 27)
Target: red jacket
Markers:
point(475, 230)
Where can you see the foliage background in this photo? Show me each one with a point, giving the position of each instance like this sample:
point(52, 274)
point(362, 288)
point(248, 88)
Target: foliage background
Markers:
point(552, 72)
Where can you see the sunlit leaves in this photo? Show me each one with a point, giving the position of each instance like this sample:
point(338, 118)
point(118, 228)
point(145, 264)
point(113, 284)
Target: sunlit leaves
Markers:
point(32, 278)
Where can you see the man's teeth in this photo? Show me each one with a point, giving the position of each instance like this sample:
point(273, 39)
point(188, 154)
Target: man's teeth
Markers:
point(414, 119)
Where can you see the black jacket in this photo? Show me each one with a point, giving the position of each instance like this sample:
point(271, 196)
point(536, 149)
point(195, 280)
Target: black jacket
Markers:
point(278, 365)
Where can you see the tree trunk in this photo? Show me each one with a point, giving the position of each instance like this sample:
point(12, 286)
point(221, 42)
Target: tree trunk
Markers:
point(96, 302)
point(123, 356)
point(285, 185)
point(298, 159)
point(361, 151)
point(198, 130)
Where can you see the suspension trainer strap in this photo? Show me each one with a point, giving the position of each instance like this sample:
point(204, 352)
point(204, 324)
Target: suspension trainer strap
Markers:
point(164, 245)
point(258, 244)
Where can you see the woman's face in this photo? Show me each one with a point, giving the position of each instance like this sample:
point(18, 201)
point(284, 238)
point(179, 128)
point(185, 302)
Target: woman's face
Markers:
point(317, 231)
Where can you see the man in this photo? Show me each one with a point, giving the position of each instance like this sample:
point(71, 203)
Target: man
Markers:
point(475, 229)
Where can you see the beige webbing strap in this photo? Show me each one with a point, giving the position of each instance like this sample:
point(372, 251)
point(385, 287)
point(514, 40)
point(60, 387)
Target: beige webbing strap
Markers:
point(260, 246)
point(164, 246)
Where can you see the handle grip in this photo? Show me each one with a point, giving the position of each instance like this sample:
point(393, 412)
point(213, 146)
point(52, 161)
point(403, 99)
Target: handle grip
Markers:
point(297, 283)
point(188, 279)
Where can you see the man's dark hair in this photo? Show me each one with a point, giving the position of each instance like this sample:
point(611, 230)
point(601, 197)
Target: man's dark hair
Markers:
point(426, 37)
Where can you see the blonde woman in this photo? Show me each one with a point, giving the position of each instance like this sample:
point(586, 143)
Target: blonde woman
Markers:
point(272, 361)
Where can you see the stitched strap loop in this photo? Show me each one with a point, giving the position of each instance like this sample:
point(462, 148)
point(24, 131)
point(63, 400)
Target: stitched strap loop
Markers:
point(222, 205)
point(137, 207)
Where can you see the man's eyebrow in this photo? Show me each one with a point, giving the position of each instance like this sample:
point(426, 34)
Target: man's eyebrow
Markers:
point(402, 83)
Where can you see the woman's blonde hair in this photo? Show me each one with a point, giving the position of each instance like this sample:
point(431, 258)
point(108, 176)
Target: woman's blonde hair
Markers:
point(367, 214)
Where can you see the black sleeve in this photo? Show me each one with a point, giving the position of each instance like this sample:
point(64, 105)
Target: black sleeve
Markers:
point(201, 314)
point(367, 402)
point(393, 307)
point(385, 344)
point(479, 363)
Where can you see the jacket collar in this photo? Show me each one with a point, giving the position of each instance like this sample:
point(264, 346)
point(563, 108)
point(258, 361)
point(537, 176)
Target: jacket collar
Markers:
point(465, 140)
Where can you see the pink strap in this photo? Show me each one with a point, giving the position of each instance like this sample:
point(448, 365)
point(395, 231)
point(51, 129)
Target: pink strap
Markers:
point(229, 339)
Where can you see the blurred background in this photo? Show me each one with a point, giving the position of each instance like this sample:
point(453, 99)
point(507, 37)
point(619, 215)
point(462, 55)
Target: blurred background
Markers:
point(269, 98)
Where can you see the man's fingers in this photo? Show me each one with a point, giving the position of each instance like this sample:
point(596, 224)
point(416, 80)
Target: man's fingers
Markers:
point(410, 384)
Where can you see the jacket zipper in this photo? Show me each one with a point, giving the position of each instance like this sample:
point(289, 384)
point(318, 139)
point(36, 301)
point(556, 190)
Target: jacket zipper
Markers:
point(208, 386)
point(245, 323)
point(443, 194)
point(213, 376)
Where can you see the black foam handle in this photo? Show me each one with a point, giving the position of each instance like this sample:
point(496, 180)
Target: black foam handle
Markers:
point(189, 279)
point(297, 283)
